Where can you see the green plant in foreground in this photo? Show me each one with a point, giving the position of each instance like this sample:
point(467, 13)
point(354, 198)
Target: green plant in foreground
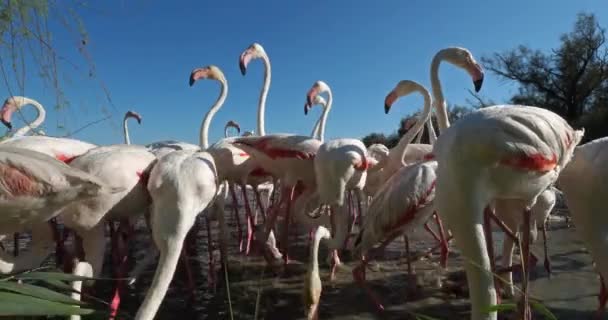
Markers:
point(23, 295)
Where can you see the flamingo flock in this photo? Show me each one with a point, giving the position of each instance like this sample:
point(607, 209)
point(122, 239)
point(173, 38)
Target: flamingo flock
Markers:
point(501, 164)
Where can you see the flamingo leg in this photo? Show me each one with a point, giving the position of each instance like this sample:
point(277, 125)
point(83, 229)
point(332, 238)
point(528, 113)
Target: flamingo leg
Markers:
point(547, 263)
point(250, 221)
point(359, 208)
point(359, 277)
point(524, 305)
point(603, 298)
point(235, 204)
point(407, 254)
point(351, 214)
point(286, 227)
point(443, 241)
point(258, 200)
point(431, 231)
point(119, 237)
point(211, 274)
point(487, 228)
point(15, 244)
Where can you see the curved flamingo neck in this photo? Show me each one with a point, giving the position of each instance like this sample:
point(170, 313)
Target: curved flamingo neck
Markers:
point(323, 121)
point(408, 137)
point(204, 135)
point(439, 101)
point(125, 130)
point(263, 95)
point(34, 124)
point(431, 130)
point(315, 130)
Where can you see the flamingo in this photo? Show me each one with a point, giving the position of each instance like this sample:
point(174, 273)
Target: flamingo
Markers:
point(499, 152)
point(403, 202)
point(316, 130)
point(587, 172)
point(35, 188)
point(15, 103)
point(125, 128)
point(312, 281)
point(182, 184)
point(286, 157)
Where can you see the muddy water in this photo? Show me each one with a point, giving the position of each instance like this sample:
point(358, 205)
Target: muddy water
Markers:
point(274, 293)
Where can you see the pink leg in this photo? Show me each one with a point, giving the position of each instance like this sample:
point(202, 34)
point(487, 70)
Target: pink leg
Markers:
point(359, 277)
point(235, 204)
point(487, 228)
point(603, 298)
point(250, 222)
point(334, 264)
point(211, 274)
point(359, 211)
point(407, 254)
point(433, 233)
point(524, 305)
point(547, 263)
point(259, 201)
point(119, 259)
point(16, 244)
point(443, 241)
point(351, 212)
point(286, 227)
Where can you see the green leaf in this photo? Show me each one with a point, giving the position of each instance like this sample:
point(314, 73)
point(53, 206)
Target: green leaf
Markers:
point(54, 276)
point(542, 310)
point(12, 304)
point(423, 317)
point(501, 307)
point(38, 292)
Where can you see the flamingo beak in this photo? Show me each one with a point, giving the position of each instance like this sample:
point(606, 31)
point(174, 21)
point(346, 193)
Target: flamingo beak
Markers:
point(478, 83)
point(389, 100)
point(310, 98)
point(237, 127)
point(197, 74)
point(6, 113)
point(244, 61)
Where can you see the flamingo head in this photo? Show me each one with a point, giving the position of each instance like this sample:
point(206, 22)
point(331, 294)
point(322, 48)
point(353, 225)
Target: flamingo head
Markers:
point(254, 51)
point(209, 72)
point(313, 98)
point(233, 124)
point(463, 58)
point(11, 105)
point(133, 114)
point(403, 88)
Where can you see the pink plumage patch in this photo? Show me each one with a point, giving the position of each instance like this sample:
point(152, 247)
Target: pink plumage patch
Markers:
point(428, 157)
point(362, 165)
point(144, 176)
point(535, 162)
point(243, 154)
point(17, 182)
point(411, 211)
point(263, 146)
point(65, 158)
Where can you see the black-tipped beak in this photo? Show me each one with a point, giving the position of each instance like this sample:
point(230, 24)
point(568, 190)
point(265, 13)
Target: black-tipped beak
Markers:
point(478, 83)
point(306, 108)
point(387, 108)
point(191, 81)
point(7, 124)
point(242, 67)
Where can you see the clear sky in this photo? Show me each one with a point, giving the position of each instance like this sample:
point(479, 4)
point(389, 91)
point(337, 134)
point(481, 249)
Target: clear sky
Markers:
point(144, 51)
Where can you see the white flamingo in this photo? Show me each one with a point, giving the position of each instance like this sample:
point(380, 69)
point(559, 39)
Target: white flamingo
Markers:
point(182, 184)
point(402, 203)
point(587, 172)
point(499, 152)
point(15, 103)
point(35, 187)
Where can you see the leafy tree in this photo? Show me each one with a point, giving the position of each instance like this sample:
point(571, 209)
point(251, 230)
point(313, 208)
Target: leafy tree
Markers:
point(571, 80)
point(27, 51)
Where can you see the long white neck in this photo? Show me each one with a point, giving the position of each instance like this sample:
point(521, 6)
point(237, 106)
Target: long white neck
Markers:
point(263, 95)
point(431, 130)
point(324, 116)
point(315, 130)
point(34, 124)
point(424, 116)
point(204, 135)
point(125, 130)
point(438, 99)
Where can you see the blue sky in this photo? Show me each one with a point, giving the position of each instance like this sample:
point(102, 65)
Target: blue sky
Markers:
point(144, 51)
